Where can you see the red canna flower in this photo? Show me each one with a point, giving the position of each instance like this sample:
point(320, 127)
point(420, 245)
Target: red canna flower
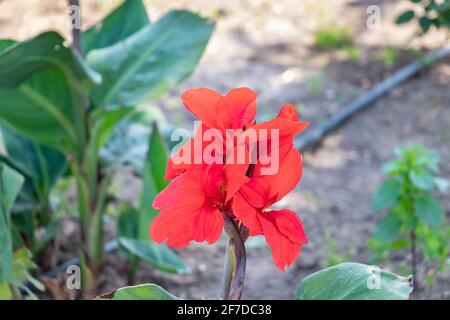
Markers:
point(282, 229)
point(191, 206)
point(194, 202)
point(236, 110)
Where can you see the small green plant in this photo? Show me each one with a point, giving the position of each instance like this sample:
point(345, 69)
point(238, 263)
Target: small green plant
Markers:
point(433, 13)
point(414, 218)
point(315, 83)
point(332, 37)
point(353, 53)
point(388, 56)
point(15, 259)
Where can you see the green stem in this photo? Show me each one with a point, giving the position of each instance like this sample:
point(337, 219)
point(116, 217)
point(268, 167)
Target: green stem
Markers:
point(414, 257)
point(96, 231)
point(235, 261)
point(83, 198)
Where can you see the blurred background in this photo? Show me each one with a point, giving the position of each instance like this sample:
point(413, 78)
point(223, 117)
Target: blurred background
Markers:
point(319, 55)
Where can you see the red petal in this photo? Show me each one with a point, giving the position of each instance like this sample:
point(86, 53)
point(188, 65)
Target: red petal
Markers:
point(208, 225)
point(286, 127)
point(288, 111)
point(247, 214)
point(288, 176)
point(203, 103)
point(179, 203)
point(264, 190)
point(187, 155)
point(237, 109)
point(284, 234)
point(236, 178)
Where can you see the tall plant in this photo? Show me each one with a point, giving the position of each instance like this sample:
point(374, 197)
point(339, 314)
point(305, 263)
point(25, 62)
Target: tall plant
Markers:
point(71, 98)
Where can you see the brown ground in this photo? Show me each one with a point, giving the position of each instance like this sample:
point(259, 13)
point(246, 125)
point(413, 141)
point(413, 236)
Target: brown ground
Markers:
point(268, 46)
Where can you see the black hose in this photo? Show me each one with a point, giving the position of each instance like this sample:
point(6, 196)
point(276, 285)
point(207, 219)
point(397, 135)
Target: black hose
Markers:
point(314, 135)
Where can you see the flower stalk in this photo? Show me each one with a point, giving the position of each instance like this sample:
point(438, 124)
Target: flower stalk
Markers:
point(235, 260)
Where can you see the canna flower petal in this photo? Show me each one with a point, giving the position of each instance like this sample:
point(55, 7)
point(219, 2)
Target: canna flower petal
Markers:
point(188, 208)
point(204, 104)
point(288, 176)
point(208, 224)
point(288, 111)
point(285, 235)
point(237, 109)
point(175, 221)
point(187, 155)
point(247, 214)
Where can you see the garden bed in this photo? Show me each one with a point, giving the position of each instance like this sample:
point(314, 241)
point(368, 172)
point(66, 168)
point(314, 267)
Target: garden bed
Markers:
point(273, 55)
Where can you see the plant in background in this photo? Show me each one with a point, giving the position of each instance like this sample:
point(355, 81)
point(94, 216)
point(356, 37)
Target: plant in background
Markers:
point(433, 13)
point(70, 99)
point(15, 262)
point(415, 218)
point(33, 211)
point(224, 182)
point(332, 37)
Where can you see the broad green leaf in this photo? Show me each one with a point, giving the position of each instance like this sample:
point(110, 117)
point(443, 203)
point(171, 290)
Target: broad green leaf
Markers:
point(387, 195)
point(50, 232)
point(422, 179)
point(429, 210)
point(43, 108)
point(388, 228)
point(125, 20)
point(157, 255)
point(104, 122)
point(10, 184)
point(140, 292)
point(128, 222)
point(128, 144)
point(405, 17)
point(149, 62)
point(157, 158)
point(5, 291)
point(35, 161)
point(46, 50)
point(354, 281)
point(154, 182)
point(128, 227)
point(6, 43)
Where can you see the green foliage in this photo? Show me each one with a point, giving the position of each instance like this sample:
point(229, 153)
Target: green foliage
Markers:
point(150, 61)
point(140, 292)
point(126, 20)
point(389, 56)
point(432, 13)
point(353, 281)
point(59, 111)
point(332, 37)
point(411, 207)
point(14, 264)
point(134, 223)
point(353, 53)
point(41, 167)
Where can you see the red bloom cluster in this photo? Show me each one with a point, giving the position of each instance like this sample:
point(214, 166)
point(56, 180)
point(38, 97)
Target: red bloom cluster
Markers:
point(193, 204)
